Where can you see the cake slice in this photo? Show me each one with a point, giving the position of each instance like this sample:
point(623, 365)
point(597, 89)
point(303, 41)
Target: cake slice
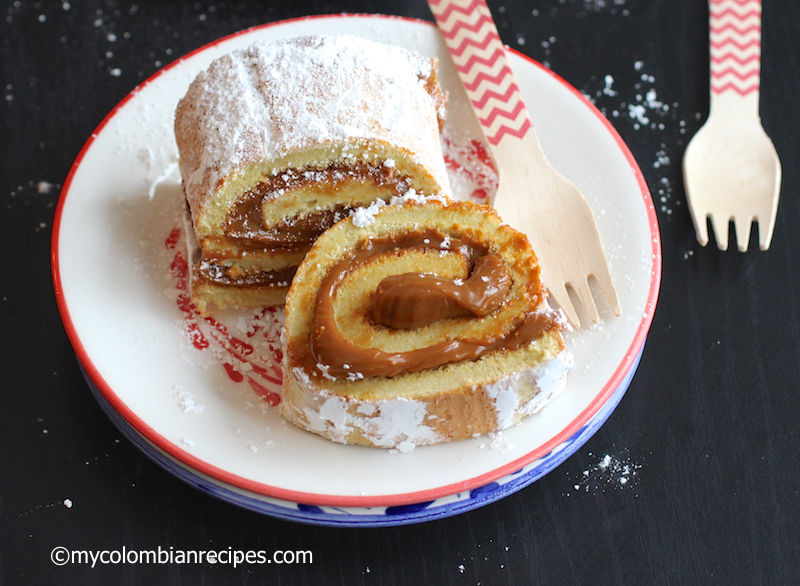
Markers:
point(279, 140)
point(416, 323)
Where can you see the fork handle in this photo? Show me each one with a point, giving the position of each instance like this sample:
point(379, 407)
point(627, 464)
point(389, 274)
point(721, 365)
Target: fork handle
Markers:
point(735, 47)
point(480, 59)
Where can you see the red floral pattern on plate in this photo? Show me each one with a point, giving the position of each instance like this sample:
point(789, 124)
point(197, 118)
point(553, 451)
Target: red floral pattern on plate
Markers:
point(255, 356)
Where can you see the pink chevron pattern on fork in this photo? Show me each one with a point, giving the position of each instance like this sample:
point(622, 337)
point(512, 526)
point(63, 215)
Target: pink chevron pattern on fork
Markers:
point(479, 56)
point(735, 35)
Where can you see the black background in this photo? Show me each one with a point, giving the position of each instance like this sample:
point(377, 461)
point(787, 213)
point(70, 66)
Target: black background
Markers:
point(709, 424)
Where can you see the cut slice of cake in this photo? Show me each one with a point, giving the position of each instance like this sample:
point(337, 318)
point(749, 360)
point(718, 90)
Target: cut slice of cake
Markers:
point(277, 141)
point(416, 323)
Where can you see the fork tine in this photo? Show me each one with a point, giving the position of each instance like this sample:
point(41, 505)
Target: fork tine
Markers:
point(584, 294)
point(700, 227)
point(765, 230)
point(742, 227)
point(720, 228)
point(609, 291)
point(561, 296)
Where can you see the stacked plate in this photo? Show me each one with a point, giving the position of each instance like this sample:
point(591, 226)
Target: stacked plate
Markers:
point(198, 395)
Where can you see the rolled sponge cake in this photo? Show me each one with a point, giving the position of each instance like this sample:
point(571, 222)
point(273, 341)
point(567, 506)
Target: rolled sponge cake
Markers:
point(370, 358)
point(279, 140)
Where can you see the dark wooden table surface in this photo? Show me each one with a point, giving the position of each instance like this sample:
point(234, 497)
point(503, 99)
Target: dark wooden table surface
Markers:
point(709, 424)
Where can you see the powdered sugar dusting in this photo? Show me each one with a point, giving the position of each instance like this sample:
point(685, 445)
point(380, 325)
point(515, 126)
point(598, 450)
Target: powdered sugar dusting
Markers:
point(187, 401)
point(646, 110)
point(398, 423)
point(365, 216)
point(607, 472)
point(250, 102)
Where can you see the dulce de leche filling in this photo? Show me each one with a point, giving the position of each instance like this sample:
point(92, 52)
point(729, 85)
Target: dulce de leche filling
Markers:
point(246, 220)
point(412, 300)
point(247, 232)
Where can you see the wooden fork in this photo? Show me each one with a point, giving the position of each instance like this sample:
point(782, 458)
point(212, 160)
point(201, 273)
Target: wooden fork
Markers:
point(731, 170)
point(531, 195)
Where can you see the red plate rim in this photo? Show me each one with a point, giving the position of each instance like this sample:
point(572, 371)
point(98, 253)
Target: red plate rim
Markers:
point(294, 496)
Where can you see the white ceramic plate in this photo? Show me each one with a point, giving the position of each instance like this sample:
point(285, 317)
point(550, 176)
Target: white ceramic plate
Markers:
point(372, 516)
point(114, 244)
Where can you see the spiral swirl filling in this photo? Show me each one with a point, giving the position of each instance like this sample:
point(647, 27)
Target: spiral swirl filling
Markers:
point(412, 301)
